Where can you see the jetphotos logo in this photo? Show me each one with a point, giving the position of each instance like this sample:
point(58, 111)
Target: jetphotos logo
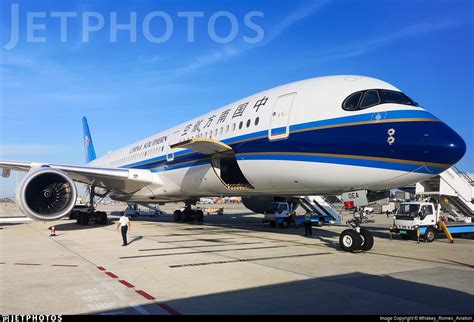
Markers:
point(154, 26)
point(31, 318)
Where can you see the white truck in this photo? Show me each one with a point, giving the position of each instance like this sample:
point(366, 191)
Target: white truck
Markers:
point(424, 216)
point(279, 214)
point(134, 211)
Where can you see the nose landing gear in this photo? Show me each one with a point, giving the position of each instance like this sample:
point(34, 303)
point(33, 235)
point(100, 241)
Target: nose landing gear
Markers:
point(356, 239)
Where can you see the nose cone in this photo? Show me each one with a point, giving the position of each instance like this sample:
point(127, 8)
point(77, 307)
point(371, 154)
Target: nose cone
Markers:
point(442, 144)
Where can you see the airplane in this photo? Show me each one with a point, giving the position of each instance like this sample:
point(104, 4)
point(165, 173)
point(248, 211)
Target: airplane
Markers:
point(324, 135)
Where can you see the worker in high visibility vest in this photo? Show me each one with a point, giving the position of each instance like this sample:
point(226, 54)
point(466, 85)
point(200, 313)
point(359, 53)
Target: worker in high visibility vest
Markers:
point(307, 225)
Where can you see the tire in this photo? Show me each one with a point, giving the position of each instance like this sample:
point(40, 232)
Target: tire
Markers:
point(177, 216)
point(188, 215)
point(84, 219)
point(102, 218)
point(350, 240)
point(199, 216)
point(320, 223)
point(367, 240)
point(285, 223)
point(430, 235)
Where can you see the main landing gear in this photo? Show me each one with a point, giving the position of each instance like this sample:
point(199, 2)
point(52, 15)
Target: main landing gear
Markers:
point(356, 239)
point(87, 215)
point(189, 215)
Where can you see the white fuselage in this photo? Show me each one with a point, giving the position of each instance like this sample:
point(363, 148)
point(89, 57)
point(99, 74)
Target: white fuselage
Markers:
point(294, 139)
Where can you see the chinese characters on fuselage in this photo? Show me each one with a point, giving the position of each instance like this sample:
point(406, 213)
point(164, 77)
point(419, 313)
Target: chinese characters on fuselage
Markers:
point(238, 112)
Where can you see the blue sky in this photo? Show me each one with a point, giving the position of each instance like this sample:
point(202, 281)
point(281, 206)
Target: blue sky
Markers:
point(130, 90)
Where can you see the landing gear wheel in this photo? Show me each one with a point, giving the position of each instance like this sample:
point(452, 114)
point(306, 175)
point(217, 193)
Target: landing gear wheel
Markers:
point(350, 240)
point(430, 235)
point(199, 217)
point(320, 222)
point(285, 223)
point(84, 219)
point(102, 218)
point(187, 215)
point(367, 240)
point(177, 216)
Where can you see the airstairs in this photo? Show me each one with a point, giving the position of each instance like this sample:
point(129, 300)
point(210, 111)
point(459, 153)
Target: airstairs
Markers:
point(321, 206)
point(456, 191)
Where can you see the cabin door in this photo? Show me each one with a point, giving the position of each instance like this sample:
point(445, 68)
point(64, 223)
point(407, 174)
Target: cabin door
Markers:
point(279, 123)
point(172, 139)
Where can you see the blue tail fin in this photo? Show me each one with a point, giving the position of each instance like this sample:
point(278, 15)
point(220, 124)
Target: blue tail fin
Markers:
point(88, 145)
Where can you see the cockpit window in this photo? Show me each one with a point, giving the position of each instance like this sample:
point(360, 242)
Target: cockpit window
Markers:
point(352, 101)
point(395, 97)
point(368, 98)
point(371, 98)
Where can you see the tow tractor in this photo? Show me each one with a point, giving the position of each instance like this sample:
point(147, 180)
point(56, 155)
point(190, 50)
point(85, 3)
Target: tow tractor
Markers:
point(423, 219)
point(190, 214)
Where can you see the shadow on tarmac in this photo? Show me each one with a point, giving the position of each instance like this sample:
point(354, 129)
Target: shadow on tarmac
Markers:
point(134, 239)
point(355, 293)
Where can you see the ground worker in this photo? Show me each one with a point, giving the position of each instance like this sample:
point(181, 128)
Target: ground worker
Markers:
point(124, 223)
point(293, 219)
point(307, 225)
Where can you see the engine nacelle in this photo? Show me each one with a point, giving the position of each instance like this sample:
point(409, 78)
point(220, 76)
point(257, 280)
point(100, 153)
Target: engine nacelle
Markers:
point(259, 204)
point(46, 194)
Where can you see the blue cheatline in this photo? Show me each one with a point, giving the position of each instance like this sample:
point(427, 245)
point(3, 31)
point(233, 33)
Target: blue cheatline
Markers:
point(360, 141)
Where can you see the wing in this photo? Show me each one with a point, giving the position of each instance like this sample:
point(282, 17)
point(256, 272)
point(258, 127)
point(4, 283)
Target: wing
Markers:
point(114, 179)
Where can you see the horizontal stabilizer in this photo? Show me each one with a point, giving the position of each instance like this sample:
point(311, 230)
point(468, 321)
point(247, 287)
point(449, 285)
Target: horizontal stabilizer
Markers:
point(204, 146)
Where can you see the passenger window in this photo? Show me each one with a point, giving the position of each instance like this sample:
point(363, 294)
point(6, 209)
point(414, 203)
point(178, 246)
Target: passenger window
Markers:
point(215, 132)
point(240, 125)
point(248, 123)
point(350, 104)
point(221, 130)
point(370, 98)
point(227, 129)
point(256, 121)
point(233, 127)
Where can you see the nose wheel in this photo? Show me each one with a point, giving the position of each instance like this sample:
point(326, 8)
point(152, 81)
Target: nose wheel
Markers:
point(356, 239)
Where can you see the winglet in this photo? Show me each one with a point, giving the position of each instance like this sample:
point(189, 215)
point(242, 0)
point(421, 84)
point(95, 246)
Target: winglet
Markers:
point(88, 145)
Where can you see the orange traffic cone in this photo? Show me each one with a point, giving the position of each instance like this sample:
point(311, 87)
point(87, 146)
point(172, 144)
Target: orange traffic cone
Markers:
point(53, 231)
